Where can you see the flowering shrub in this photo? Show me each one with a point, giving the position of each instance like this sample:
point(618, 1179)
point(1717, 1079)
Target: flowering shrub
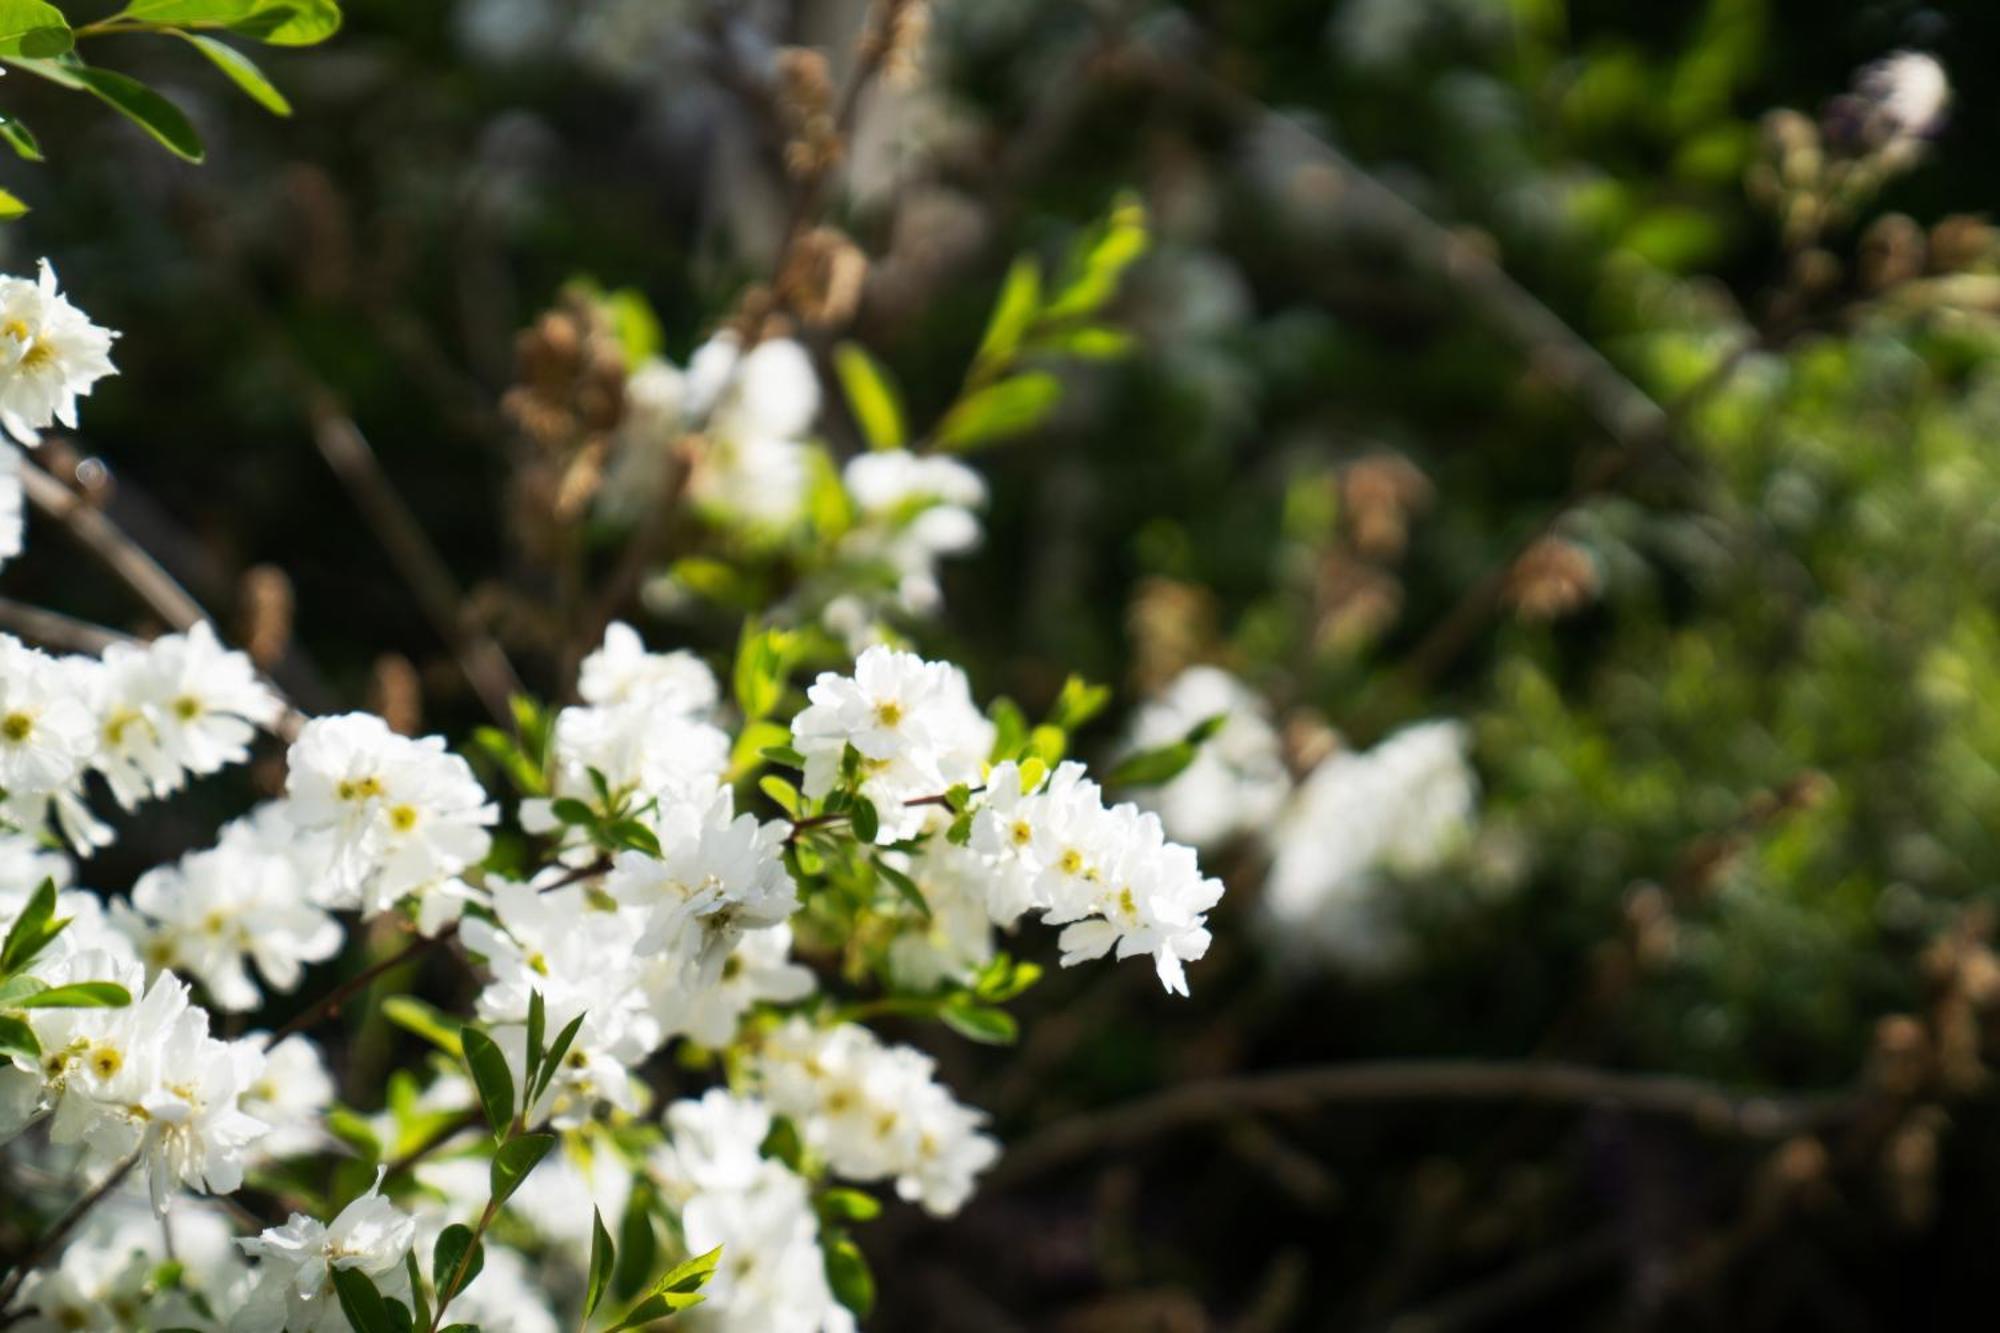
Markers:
point(1545, 581)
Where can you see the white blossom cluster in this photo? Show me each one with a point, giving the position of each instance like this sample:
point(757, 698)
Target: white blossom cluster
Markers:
point(772, 1276)
point(144, 717)
point(144, 1081)
point(910, 511)
point(50, 355)
point(874, 1112)
point(1401, 808)
point(111, 1270)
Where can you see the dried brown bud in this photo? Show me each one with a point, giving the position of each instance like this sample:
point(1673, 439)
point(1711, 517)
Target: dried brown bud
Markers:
point(805, 106)
point(396, 694)
point(1307, 740)
point(822, 278)
point(1355, 601)
point(1892, 252)
point(1962, 241)
point(909, 23)
point(1901, 1060)
point(1381, 494)
point(1552, 578)
point(1172, 625)
point(265, 605)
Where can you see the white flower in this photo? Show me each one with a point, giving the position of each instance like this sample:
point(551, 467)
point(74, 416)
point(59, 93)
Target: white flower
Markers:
point(47, 734)
point(246, 898)
point(716, 877)
point(956, 939)
point(1237, 780)
point(911, 722)
point(639, 750)
point(772, 1274)
point(294, 1288)
point(874, 1112)
point(621, 671)
point(760, 971)
point(913, 510)
point(13, 507)
point(108, 1271)
point(406, 816)
point(752, 411)
point(1403, 806)
point(50, 354)
point(1907, 95)
point(181, 704)
point(290, 1094)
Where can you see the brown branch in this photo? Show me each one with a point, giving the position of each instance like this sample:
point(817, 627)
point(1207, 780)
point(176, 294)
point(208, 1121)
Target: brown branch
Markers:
point(52, 629)
point(50, 1239)
point(1295, 1091)
point(107, 542)
point(348, 453)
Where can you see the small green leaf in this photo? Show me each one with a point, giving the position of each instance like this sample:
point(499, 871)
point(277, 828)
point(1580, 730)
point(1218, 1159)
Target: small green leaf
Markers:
point(603, 1258)
point(1079, 702)
point(1019, 303)
point(32, 930)
point(15, 988)
point(452, 1244)
point(846, 1205)
point(538, 1020)
point(867, 823)
point(1152, 768)
point(12, 206)
point(400, 1318)
point(516, 1158)
point(904, 886)
point(785, 755)
point(77, 995)
point(242, 71)
point(1120, 239)
point(847, 1273)
point(33, 29)
point(17, 1041)
point(877, 407)
point(552, 1061)
point(980, 1023)
point(20, 138)
point(638, 1244)
point(145, 108)
point(427, 1021)
point(491, 1076)
point(1013, 406)
point(572, 811)
point(783, 793)
point(361, 1302)
point(423, 1311)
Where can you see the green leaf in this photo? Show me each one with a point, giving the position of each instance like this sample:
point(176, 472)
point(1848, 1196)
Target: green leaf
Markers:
point(516, 1158)
point(762, 659)
point(491, 1076)
point(427, 1021)
point(11, 206)
point(552, 1061)
point(1151, 768)
point(572, 811)
point(33, 29)
point(637, 1244)
point(17, 1041)
point(981, 1023)
point(603, 1258)
point(1120, 239)
point(423, 1311)
point(1079, 702)
point(145, 108)
point(785, 755)
point(905, 886)
point(877, 407)
point(1020, 301)
point(242, 71)
point(279, 22)
point(32, 930)
point(678, 1289)
point(1093, 342)
point(361, 1302)
point(783, 793)
point(1014, 406)
point(846, 1205)
point(14, 988)
point(20, 138)
point(867, 823)
point(847, 1273)
point(452, 1244)
point(538, 1021)
point(77, 995)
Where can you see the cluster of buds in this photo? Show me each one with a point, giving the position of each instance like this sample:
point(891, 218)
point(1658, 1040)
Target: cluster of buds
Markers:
point(1814, 174)
point(806, 110)
point(566, 402)
point(822, 277)
point(1553, 578)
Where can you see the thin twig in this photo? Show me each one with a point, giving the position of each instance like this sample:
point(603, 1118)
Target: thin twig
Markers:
point(52, 629)
point(117, 552)
point(348, 453)
point(53, 1237)
point(1299, 1090)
